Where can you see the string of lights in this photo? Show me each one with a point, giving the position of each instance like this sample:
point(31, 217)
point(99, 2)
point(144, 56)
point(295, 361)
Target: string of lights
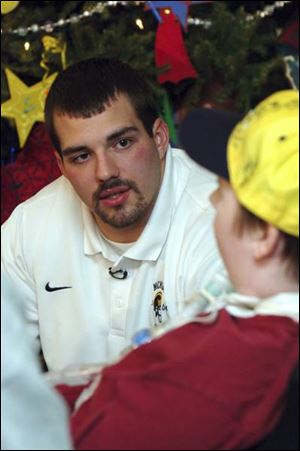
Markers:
point(49, 26)
point(267, 11)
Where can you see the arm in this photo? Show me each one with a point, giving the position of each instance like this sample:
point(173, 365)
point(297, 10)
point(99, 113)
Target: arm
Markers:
point(15, 266)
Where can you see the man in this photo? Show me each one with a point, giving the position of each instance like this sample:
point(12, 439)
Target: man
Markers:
point(124, 237)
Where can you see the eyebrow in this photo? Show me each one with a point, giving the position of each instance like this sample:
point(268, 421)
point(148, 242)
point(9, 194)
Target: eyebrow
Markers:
point(118, 133)
point(109, 139)
point(71, 150)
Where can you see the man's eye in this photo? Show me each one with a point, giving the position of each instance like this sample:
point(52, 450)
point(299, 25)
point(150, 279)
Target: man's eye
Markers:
point(123, 143)
point(81, 158)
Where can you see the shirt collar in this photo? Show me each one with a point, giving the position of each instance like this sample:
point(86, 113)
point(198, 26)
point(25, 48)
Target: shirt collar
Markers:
point(282, 304)
point(92, 240)
point(154, 235)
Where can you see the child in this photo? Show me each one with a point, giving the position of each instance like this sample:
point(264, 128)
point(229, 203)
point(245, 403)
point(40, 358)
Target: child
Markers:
point(219, 382)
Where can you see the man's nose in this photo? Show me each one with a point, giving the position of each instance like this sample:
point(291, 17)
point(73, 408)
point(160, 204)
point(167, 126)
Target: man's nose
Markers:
point(106, 167)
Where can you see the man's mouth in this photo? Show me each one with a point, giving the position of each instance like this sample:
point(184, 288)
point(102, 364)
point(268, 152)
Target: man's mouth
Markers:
point(114, 197)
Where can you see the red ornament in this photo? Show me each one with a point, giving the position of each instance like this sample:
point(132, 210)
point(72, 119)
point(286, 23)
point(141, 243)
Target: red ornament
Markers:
point(290, 35)
point(34, 168)
point(170, 50)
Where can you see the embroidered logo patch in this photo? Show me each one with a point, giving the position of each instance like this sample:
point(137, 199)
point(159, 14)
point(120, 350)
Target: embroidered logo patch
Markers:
point(159, 308)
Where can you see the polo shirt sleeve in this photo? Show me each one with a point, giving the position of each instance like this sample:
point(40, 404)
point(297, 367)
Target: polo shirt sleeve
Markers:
point(16, 267)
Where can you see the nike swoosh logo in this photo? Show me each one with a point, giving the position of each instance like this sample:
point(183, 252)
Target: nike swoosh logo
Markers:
point(48, 288)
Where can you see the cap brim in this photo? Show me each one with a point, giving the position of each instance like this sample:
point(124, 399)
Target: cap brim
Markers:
point(204, 134)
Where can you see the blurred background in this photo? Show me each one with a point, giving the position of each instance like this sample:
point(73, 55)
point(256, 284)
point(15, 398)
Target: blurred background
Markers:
point(214, 54)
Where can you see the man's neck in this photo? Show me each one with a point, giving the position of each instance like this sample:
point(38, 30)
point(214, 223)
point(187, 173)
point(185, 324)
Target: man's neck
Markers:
point(123, 235)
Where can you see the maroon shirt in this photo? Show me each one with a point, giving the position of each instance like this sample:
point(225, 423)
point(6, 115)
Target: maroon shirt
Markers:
point(203, 387)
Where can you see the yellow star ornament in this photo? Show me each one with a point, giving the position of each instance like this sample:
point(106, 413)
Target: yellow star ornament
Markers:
point(26, 104)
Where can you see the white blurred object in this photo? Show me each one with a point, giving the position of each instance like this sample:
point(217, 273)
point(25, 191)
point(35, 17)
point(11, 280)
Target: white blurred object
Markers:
point(33, 416)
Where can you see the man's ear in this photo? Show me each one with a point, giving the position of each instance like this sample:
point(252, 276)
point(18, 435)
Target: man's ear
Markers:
point(161, 136)
point(59, 161)
point(267, 241)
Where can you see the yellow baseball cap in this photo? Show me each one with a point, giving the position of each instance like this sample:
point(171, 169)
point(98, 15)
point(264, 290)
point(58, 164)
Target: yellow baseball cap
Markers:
point(263, 161)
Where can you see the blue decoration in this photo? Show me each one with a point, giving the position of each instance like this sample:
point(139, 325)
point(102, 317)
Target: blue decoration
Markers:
point(155, 12)
point(180, 9)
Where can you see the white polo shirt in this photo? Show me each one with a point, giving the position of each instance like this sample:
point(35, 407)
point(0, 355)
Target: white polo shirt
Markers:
point(51, 240)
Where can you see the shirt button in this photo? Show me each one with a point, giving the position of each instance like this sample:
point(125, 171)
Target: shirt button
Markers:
point(119, 302)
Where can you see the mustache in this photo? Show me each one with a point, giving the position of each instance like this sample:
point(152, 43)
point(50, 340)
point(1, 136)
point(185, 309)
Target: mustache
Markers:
point(113, 183)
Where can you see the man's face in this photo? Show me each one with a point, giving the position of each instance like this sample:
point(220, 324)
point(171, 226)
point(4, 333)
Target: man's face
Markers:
point(115, 167)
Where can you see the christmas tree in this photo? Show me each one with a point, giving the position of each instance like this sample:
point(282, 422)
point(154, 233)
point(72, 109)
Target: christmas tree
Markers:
point(234, 52)
point(224, 54)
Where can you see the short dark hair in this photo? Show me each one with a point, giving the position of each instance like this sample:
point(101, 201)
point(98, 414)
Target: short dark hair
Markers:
point(290, 252)
point(86, 88)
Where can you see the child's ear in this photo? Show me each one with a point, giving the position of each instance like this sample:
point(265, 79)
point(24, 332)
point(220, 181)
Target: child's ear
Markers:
point(266, 242)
